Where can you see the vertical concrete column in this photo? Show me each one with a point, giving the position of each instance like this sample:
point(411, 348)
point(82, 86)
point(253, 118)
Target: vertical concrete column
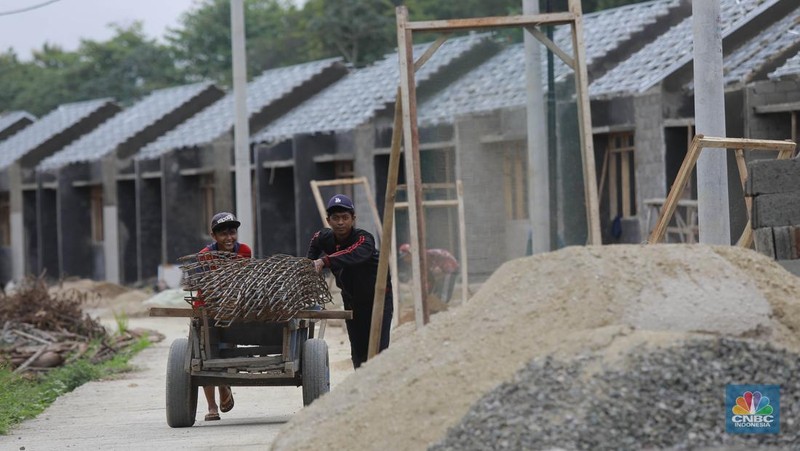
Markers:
point(17, 224)
point(709, 110)
point(111, 243)
point(244, 180)
point(538, 170)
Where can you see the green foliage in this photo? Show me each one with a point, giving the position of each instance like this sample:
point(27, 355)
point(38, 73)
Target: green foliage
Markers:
point(121, 319)
point(23, 397)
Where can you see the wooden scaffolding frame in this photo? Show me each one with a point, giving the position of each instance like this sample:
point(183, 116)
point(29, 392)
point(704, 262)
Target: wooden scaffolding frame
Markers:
point(406, 122)
point(785, 150)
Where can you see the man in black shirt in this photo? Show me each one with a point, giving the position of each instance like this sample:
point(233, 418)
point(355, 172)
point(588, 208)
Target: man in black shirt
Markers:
point(352, 257)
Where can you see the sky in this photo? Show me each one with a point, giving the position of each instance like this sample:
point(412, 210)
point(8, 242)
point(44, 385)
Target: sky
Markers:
point(65, 22)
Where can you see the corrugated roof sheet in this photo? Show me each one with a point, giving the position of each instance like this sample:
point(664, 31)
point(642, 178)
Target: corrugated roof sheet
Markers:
point(124, 126)
point(790, 68)
point(356, 98)
point(55, 122)
point(742, 64)
point(500, 81)
point(11, 118)
point(672, 50)
point(218, 119)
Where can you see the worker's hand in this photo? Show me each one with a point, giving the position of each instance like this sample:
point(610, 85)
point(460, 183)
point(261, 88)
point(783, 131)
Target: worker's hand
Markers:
point(319, 264)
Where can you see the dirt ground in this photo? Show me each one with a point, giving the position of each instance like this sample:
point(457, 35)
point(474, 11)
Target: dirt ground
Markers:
point(576, 301)
point(129, 411)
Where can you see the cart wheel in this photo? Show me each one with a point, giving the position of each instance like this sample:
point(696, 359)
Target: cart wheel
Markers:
point(316, 371)
point(181, 393)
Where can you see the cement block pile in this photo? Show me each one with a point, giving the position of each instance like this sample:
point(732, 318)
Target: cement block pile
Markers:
point(774, 186)
point(647, 336)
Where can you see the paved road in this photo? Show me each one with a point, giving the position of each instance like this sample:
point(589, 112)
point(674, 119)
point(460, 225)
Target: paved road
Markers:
point(129, 413)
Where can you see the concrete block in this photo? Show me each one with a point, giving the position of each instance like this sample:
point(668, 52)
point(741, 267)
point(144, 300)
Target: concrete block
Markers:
point(784, 248)
point(764, 241)
point(776, 210)
point(793, 266)
point(772, 176)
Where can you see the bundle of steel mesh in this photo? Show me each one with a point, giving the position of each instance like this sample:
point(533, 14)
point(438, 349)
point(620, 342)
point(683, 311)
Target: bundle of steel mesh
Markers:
point(270, 289)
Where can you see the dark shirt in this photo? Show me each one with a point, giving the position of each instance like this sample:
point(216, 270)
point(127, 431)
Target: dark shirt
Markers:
point(353, 262)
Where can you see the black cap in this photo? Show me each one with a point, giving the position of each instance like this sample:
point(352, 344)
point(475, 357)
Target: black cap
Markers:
point(224, 219)
point(340, 201)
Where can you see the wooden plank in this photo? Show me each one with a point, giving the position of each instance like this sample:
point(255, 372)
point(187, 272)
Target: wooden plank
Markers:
point(507, 195)
point(429, 52)
point(171, 312)
point(676, 190)
point(416, 218)
point(746, 239)
point(552, 46)
point(585, 127)
point(337, 182)
point(323, 215)
point(613, 179)
point(744, 143)
point(243, 362)
point(519, 186)
point(626, 184)
point(560, 18)
point(462, 241)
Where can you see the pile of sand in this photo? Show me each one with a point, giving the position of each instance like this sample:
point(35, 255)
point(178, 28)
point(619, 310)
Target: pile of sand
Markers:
point(571, 302)
point(106, 298)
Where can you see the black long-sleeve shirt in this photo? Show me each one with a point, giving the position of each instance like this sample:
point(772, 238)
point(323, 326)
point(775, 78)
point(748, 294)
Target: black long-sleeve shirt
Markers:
point(354, 263)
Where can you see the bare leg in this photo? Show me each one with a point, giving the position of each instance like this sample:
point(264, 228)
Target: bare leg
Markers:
point(212, 403)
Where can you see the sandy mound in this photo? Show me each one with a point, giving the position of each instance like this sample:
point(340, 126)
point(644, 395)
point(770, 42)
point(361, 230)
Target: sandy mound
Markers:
point(106, 298)
point(574, 301)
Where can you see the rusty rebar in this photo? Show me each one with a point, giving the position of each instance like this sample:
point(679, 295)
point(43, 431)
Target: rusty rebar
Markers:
point(270, 289)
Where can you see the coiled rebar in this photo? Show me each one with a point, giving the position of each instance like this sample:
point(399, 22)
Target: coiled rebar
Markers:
point(270, 289)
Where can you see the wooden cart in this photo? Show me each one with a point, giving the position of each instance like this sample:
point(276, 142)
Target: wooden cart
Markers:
point(246, 353)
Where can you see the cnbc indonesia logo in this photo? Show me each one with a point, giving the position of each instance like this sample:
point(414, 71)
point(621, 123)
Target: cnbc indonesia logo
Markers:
point(753, 409)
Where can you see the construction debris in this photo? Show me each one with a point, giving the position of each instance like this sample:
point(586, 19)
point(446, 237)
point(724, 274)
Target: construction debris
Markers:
point(270, 289)
point(43, 329)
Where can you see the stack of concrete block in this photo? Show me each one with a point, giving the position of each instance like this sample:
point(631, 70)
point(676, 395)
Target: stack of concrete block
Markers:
point(774, 186)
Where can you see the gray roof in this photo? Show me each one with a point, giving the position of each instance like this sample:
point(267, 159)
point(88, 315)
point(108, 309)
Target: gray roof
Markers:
point(671, 51)
point(790, 68)
point(744, 63)
point(125, 125)
point(13, 117)
point(55, 122)
point(500, 81)
point(218, 119)
point(356, 98)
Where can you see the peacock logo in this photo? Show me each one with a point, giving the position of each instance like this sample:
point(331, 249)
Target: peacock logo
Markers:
point(752, 403)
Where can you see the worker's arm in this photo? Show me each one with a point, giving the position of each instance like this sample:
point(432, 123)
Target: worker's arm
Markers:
point(358, 252)
point(314, 250)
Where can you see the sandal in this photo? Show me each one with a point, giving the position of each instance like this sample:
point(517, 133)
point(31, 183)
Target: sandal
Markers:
point(226, 405)
point(212, 416)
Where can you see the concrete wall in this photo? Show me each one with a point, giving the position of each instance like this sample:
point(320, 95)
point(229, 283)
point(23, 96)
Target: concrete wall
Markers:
point(480, 168)
point(149, 220)
point(650, 156)
point(184, 229)
point(305, 148)
point(277, 220)
point(78, 254)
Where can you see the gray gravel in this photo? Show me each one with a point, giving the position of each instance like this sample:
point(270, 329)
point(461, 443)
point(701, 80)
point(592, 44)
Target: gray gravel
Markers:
point(670, 398)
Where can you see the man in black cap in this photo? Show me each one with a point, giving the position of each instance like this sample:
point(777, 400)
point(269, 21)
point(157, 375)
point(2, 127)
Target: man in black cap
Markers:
point(352, 257)
point(225, 232)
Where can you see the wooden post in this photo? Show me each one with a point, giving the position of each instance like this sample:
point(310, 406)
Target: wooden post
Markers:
point(416, 215)
point(388, 231)
point(462, 239)
point(585, 126)
point(785, 150)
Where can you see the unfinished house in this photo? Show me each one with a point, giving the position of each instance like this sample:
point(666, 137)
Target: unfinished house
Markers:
point(343, 132)
point(483, 115)
point(647, 100)
point(95, 184)
point(187, 174)
point(26, 250)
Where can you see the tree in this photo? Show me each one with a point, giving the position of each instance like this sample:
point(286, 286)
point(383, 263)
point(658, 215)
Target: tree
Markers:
point(274, 33)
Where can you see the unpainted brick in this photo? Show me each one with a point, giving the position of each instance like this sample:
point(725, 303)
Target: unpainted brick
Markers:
point(784, 250)
point(776, 210)
point(764, 241)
